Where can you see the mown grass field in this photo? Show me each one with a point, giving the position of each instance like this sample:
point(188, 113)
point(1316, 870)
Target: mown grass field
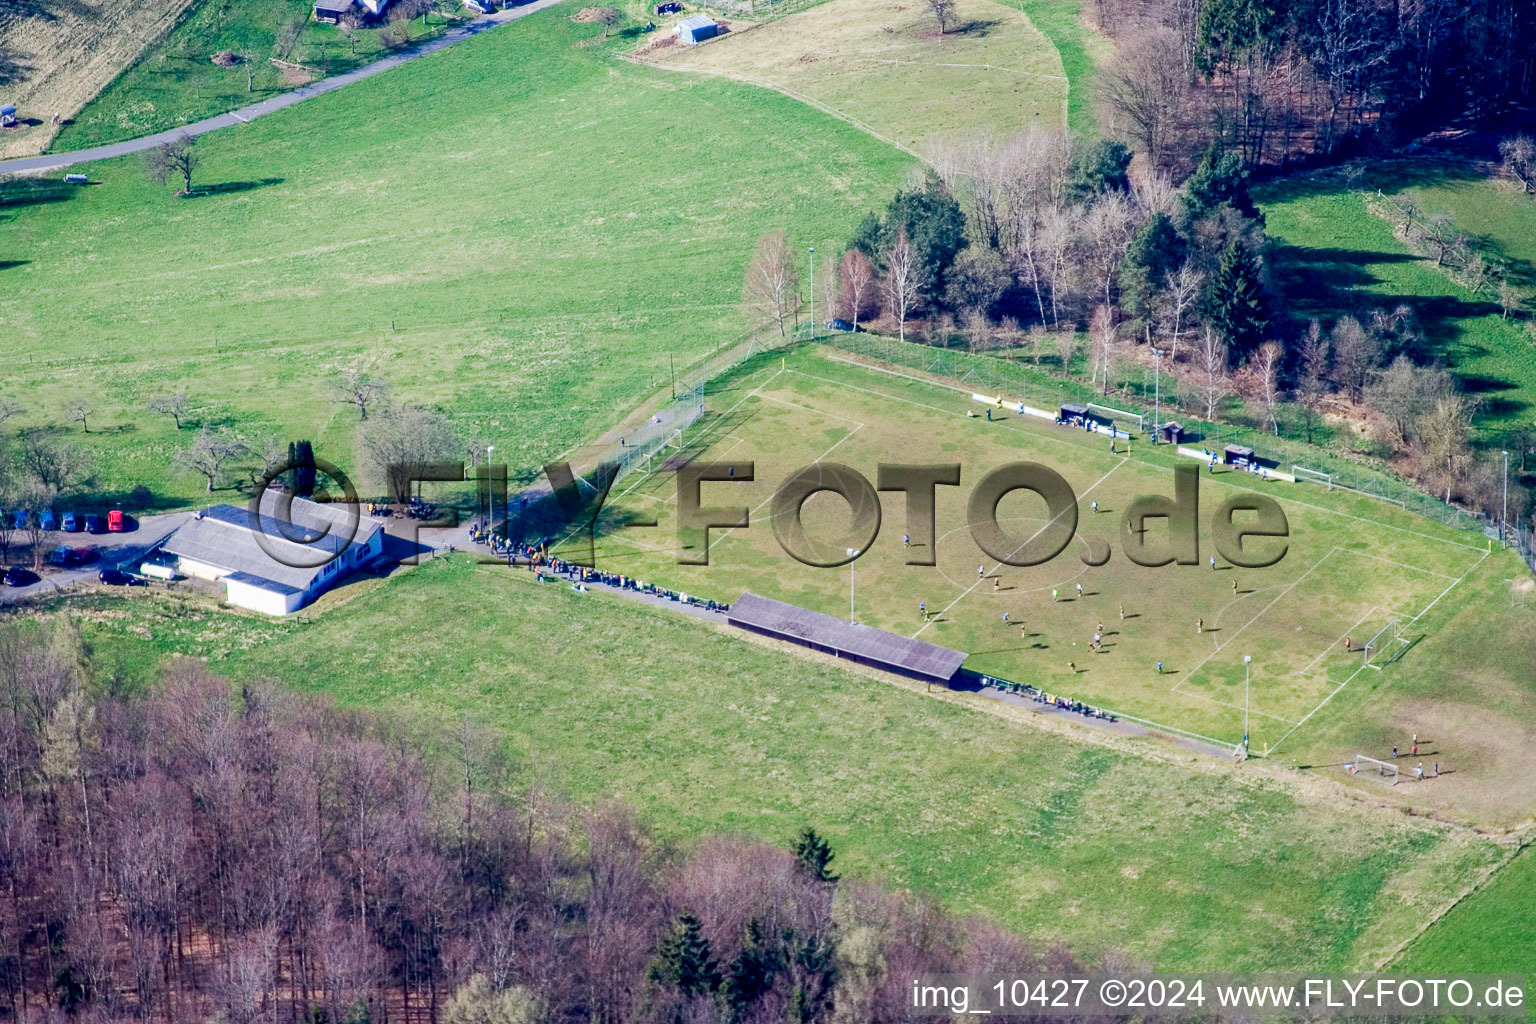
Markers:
point(175, 82)
point(1337, 257)
point(55, 56)
point(886, 65)
point(1351, 565)
point(525, 231)
point(1181, 861)
point(1494, 929)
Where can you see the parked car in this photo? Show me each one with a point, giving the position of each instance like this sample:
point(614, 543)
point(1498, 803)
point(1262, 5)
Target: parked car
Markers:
point(19, 576)
point(84, 556)
point(92, 523)
point(48, 520)
point(62, 557)
point(21, 519)
point(116, 521)
point(670, 7)
point(118, 578)
point(842, 325)
point(70, 523)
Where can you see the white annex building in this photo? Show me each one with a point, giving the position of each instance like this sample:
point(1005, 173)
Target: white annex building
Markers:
point(219, 543)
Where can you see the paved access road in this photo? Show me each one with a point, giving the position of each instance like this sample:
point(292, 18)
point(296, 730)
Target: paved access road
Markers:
point(53, 161)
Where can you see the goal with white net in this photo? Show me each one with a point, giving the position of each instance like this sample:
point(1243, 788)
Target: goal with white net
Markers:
point(1385, 646)
point(1386, 771)
point(1313, 476)
point(1122, 419)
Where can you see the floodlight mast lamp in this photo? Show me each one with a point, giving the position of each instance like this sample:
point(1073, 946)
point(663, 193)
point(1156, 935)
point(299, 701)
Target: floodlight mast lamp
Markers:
point(812, 252)
point(490, 490)
point(1157, 390)
point(1247, 661)
point(1504, 516)
point(853, 556)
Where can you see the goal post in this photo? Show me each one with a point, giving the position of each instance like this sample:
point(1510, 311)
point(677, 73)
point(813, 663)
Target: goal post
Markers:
point(1313, 476)
point(1119, 415)
point(1385, 771)
point(1385, 646)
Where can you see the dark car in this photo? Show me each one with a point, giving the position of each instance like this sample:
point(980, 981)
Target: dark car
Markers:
point(92, 523)
point(118, 578)
point(70, 523)
point(84, 556)
point(670, 7)
point(842, 325)
point(62, 557)
point(19, 576)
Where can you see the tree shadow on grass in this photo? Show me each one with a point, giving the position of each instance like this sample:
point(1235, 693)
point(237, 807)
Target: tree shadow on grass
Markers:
point(978, 27)
point(35, 192)
point(228, 187)
point(8, 264)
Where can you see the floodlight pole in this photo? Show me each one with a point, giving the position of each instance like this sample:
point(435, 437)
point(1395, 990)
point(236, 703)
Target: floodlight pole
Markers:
point(1157, 390)
point(490, 490)
point(812, 251)
point(1247, 661)
point(1504, 516)
point(853, 556)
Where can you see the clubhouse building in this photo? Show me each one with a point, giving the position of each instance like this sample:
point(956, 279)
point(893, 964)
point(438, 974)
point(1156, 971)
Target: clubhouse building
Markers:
point(271, 573)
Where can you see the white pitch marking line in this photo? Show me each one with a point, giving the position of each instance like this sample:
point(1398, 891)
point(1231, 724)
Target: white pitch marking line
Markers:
point(1021, 546)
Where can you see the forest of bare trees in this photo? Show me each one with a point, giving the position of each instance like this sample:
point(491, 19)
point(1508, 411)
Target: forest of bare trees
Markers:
point(247, 855)
point(1307, 80)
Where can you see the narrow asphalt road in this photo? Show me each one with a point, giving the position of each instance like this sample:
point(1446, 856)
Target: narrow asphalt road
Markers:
point(53, 161)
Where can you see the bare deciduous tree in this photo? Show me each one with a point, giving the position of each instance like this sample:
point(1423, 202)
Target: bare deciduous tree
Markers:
point(360, 383)
point(772, 289)
point(1312, 375)
point(1211, 381)
point(902, 288)
point(174, 405)
point(1177, 302)
point(399, 441)
point(1266, 365)
point(80, 410)
point(209, 452)
point(858, 283)
point(176, 158)
point(1143, 90)
point(1444, 431)
point(943, 12)
point(1519, 155)
point(53, 464)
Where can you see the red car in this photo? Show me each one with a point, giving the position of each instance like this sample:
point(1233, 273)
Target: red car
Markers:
point(115, 521)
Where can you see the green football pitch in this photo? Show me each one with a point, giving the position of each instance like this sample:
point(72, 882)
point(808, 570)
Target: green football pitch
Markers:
point(1352, 567)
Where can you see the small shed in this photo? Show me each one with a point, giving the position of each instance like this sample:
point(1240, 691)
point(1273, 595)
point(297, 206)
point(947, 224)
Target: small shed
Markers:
point(669, 7)
point(1171, 432)
point(1237, 455)
point(7, 117)
point(694, 30)
point(330, 11)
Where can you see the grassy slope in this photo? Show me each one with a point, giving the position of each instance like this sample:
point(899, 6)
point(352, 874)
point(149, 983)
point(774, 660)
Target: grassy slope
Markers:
point(889, 68)
point(1081, 51)
point(526, 255)
point(1338, 258)
point(1186, 866)
point(174, 82)
point(1492, 930)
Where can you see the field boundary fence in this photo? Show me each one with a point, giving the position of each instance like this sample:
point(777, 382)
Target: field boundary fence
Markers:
point(665, 425)
point(1035, 385)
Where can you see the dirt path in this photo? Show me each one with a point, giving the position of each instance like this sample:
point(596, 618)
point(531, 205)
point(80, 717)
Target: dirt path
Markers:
point(53, 161)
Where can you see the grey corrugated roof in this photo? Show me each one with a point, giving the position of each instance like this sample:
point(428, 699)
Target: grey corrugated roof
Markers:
point(222, 536)
point(697, 21)
point(341, 6)
point(805, 626)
